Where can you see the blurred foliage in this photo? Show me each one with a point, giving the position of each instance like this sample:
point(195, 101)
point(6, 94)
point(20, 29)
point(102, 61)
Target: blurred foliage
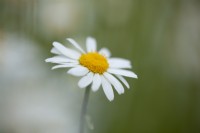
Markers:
point(161, 37)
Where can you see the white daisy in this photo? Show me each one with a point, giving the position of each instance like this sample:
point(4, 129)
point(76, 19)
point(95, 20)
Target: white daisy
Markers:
point(95, 67)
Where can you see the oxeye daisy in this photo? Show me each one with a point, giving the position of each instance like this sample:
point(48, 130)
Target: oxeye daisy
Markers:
point(95, 67)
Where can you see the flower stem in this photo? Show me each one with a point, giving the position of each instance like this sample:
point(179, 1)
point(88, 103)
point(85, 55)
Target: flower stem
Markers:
point(84, 109)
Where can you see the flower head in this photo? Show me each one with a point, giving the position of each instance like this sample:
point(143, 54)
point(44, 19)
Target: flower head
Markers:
point(95, 67)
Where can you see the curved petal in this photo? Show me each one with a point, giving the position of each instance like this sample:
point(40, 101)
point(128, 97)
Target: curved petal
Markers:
point(107, 88)
point(123, 80)
point(55, 51)
point(119, 63)
point(118, 86)
point(122, 72)
point(78, 71)
point(64, 65)
point(76, 45)
point(116, 65)
point(96, 82)
point(66, 51)
point(60, 59)
point(105, 52)
point(91, 44)
point(119, 60)
point(86, 80)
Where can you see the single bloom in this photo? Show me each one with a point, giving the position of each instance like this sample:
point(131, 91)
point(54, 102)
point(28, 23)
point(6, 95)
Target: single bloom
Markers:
point(94, 67)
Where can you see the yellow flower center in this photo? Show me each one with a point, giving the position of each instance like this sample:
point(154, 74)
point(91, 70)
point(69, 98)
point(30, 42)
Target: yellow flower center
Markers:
point(95, 62)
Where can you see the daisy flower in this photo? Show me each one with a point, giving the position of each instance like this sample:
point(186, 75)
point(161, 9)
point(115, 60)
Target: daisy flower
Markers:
point(94, 67)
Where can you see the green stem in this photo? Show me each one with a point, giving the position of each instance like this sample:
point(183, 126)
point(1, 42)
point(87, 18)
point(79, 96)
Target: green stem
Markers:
point(84, 109)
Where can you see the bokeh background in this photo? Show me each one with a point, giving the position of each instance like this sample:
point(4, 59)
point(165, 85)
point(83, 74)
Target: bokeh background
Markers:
point(160, 37)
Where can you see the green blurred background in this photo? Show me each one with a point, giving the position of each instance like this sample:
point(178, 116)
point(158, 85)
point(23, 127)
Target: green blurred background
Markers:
point(160, 37)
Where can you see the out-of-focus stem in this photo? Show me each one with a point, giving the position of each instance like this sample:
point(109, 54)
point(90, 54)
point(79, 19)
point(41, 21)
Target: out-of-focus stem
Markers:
point(84, 109)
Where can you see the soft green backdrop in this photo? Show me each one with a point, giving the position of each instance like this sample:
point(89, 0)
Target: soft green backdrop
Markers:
point(160, 37)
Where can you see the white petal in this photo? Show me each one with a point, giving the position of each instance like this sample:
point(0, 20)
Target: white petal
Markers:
point(123, 80)
point(96, 82)
point(118, 86)
point(114, 59)
point(91, 44)
point(55, 51)
point(66, 51)
point(75, 44)
point(60, 59)
point(65, 65)
point(116, 65)
point(86, 80)
point(119, 63)
point(105, 52)
point(122, 72)
point(107, 88)
point(78, 71)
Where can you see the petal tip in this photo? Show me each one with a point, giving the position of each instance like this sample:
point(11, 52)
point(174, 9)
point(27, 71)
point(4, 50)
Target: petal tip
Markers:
point(122, 92)
point(80, 86)
point(54, 43)
point(90, 37)
point(47, 60)
point(68, 72)
point(69, 39)
point(111, 99)
point(53, 68)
